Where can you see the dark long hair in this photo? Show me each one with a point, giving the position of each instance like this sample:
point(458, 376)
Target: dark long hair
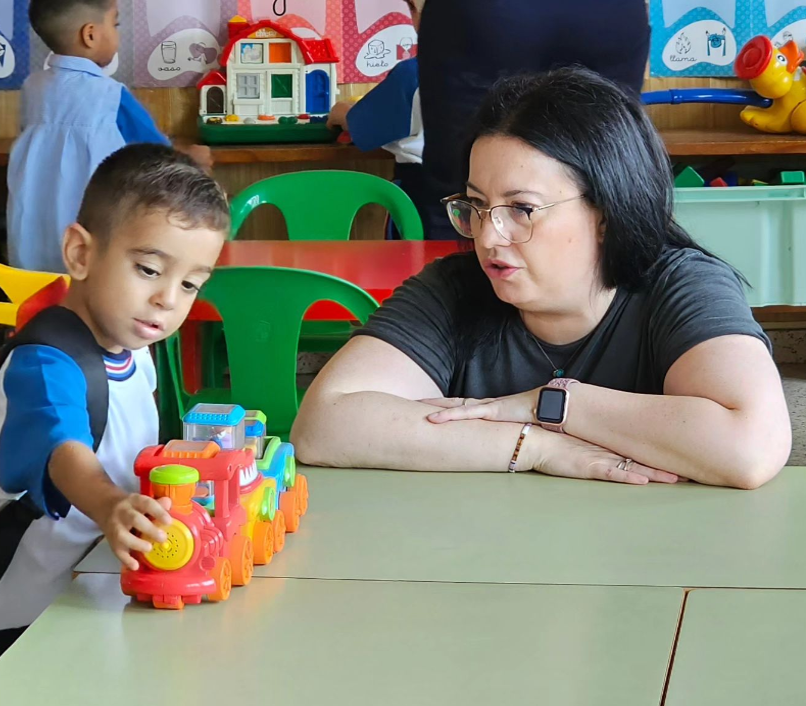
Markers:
point(612, 151)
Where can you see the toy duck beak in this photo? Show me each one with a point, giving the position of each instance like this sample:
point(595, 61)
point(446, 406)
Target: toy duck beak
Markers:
point(794, 56)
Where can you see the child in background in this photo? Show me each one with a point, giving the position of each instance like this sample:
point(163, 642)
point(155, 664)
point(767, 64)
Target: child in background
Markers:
point(149, 232)
point(73, 117)
point(389, 117)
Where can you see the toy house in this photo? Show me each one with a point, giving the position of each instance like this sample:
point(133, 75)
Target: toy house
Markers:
point(270, 76)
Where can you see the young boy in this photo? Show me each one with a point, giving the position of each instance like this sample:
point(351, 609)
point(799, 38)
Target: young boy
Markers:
point(72, 118)
point(150, 229)
point(389, 117)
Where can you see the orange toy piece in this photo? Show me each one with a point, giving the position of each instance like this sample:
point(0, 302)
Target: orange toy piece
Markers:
point(775, 73)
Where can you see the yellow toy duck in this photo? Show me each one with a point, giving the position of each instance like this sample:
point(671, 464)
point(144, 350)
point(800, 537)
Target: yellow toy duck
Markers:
point(774, 72)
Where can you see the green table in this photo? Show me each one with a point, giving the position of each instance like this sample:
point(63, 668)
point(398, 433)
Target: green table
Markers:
point(742, 648)
point(280, 641)
point(527, 528)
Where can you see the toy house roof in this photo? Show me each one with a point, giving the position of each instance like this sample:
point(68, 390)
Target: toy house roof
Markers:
point(314, 51)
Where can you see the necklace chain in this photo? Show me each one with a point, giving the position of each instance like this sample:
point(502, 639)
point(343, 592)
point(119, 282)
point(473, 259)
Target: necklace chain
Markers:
point(559, 372)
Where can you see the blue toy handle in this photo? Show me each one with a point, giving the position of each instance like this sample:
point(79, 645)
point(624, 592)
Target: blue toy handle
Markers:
point(728, 96)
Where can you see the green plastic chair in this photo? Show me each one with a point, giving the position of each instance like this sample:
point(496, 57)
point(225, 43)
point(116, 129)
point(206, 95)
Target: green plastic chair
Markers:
point(322, 205)
point(172, 400)
point(262, 310)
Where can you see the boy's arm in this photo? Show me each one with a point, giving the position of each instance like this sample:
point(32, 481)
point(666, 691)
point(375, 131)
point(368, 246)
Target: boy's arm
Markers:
point(384, 114)
point(136, 125)
point(135, 122)
point(76, 472)
point(46, 450)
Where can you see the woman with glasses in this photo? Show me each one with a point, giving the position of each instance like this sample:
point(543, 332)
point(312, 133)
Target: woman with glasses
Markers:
point(586, 335)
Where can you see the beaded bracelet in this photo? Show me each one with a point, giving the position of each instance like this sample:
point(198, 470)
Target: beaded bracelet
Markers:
point(514, 461)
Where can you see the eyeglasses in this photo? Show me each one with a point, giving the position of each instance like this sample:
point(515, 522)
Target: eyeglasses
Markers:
point(514, 223)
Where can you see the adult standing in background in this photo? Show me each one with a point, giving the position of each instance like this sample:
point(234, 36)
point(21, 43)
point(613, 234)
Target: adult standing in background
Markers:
point(465, 45)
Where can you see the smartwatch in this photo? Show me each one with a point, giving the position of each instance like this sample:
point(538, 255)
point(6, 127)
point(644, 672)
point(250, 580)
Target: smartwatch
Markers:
point(551, 409)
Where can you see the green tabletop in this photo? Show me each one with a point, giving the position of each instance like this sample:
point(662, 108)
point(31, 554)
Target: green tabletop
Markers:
point(280, 641)
point(742, 648)
point(528, 528)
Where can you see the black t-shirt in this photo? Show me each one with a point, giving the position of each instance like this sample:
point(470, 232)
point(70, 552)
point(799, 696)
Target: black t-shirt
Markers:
point(466, 45)
point(437, 318)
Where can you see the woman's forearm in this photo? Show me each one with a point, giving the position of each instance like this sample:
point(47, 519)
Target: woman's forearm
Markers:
point(379, 430)
point(693, 437)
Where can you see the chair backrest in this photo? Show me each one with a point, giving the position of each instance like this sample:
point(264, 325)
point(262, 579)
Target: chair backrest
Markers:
point(262, 309)
point(172, 400)
point(20, 285)
point(322, 205)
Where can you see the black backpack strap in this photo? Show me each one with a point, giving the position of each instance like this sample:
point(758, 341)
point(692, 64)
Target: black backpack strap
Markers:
point(64, 330)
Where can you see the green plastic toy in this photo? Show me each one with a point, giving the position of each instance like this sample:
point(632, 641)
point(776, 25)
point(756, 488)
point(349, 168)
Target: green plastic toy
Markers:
point(688, 178)
point(322, 204)
point(792, 178)
point(262, 310)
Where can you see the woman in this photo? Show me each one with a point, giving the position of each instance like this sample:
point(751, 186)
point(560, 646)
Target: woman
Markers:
point(465, 46)
point(579, 274)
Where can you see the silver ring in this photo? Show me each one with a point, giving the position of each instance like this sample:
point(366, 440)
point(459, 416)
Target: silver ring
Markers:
point(622, 465)
point(464, 401)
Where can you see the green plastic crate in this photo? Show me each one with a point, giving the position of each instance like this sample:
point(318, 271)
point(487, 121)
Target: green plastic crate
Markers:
point(760, 230)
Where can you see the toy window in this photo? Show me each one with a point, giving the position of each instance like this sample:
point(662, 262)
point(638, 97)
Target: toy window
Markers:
point(248, 86)
point(282, 86)
point(252, 52)
point(280, 52)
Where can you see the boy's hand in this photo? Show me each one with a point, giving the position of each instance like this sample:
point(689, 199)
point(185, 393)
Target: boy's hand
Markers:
point(202, 155)
point(130, 513)
point(338, 115)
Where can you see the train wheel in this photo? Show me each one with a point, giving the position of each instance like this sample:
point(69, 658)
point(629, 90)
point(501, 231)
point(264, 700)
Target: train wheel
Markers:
point(222, 575)
point(302, 482)
point(279, 531)
point(243, 560)
point(290, 507)
point(263, 540)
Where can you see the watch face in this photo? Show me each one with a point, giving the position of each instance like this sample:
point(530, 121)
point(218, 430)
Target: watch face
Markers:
point(551, 405)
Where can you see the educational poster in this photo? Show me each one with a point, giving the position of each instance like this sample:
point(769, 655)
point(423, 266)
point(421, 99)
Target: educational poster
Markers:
point(14, 43)
point(702, 37)
point(698, 37)
point(781, 20)
point(176, 42)
point(376, 35)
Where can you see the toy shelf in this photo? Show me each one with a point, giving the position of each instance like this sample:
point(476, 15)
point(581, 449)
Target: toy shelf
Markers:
point(328, 152)
point(730, 142)
point(679, 143)
point(270, 154)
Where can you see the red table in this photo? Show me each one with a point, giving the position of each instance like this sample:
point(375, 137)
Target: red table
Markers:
point(377, 266)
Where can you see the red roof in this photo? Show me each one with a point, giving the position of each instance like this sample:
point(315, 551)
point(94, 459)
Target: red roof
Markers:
point(214, 78)
point(314, 51)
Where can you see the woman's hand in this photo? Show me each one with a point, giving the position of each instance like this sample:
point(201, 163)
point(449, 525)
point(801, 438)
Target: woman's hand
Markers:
point(562, 455)
point(514, 408)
